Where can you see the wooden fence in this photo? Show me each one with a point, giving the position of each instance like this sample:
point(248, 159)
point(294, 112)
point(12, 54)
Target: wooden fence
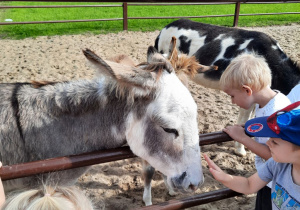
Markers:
point(125, 6)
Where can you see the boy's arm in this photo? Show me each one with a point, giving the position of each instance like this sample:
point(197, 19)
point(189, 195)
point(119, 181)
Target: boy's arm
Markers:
point(236, 183)
point(237, 133)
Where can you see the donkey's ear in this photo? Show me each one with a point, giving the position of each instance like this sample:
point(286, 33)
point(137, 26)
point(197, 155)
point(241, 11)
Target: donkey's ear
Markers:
point(99, 63)
point(124, 75)
point(153, 55)
point(122, 59)
point(158, 60)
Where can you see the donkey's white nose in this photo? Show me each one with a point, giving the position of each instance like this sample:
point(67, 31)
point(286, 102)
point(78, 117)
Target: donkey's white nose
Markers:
point(184, 183)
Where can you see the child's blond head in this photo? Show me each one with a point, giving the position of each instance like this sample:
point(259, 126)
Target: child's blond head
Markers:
point(246, 69)
point(49, 198)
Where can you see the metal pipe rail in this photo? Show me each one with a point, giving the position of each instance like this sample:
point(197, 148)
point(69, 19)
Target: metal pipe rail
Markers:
point(195, 200)
point(164, 1)
point(56, 6)
point(76, 161)
point(125, 5)
point(103, 156)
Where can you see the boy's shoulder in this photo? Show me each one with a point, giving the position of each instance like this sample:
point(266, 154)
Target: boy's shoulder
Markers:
point(272, 164)
point(278, 102)
point(272, 170)
point(294, 94)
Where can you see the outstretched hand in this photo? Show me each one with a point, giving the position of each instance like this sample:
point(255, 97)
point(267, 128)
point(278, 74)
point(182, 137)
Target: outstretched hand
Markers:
point(218, 174)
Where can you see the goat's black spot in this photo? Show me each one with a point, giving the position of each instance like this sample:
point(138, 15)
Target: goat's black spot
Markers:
point(231, 52)
point(184, 44)
point(208, 53)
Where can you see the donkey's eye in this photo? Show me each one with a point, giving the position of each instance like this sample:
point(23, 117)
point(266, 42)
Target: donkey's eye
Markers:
point(171, 130)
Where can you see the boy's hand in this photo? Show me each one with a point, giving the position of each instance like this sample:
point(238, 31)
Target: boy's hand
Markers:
point(236, 183)
point(236, 132)
point(218, 174)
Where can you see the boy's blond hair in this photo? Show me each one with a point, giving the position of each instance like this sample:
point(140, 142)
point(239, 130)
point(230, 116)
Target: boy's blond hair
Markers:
point(49, 198)
point(246, 69)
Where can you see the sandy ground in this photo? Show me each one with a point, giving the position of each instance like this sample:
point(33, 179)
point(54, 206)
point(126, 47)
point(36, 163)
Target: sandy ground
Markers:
point(118, 185)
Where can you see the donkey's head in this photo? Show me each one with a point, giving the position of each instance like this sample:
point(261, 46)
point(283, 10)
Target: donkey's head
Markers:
point(186, 67)
point(165, 131)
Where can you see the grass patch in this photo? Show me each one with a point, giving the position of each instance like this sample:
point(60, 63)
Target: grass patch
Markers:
point(82, 13)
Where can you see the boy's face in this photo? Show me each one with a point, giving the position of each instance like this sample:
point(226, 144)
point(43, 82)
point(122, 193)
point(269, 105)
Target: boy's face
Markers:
point(282, 151)
point(241, 97)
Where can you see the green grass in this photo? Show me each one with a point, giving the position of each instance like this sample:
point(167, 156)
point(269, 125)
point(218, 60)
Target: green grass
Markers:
point(47, 14)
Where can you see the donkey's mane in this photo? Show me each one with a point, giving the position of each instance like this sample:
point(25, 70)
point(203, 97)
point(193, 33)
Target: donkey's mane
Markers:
point(78, 101)
point(186, 64)
point(78, 96)
point(122, 91)
point(158, 67)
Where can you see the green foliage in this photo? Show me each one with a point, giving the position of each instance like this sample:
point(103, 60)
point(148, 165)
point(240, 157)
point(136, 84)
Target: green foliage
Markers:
point(84, 13)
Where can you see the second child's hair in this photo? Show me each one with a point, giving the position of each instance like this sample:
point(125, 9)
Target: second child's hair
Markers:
point(49, 198)
point(247, 69)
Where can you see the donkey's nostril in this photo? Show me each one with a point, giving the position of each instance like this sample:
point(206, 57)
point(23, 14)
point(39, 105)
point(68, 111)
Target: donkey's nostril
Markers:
point(182, 176)
point(192, 187)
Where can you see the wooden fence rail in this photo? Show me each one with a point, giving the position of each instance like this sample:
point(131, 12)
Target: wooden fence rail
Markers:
point(125, 5)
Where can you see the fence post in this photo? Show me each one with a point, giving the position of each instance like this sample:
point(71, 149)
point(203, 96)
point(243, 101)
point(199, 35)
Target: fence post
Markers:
point(125, 16)
point(236, 14)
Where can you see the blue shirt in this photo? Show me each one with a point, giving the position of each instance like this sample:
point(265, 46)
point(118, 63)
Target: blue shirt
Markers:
point(285, 193)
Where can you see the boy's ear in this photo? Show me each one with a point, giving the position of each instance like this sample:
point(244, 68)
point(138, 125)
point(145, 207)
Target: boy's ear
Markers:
point(247, 89)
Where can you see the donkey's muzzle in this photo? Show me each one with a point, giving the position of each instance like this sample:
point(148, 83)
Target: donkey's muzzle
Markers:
point(185, 184)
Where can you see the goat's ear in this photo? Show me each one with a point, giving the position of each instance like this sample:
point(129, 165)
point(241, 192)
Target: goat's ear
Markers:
point(124, 75)
point(202, 68)
point(173, 53)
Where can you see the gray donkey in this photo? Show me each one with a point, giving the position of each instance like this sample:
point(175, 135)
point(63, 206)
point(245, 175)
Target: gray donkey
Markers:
point(146, 107)
point(185, 67)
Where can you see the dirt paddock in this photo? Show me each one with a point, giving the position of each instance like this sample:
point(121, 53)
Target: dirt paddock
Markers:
point(118, 185)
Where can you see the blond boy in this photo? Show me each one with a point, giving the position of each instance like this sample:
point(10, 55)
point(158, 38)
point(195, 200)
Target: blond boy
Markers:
point(247, 80)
